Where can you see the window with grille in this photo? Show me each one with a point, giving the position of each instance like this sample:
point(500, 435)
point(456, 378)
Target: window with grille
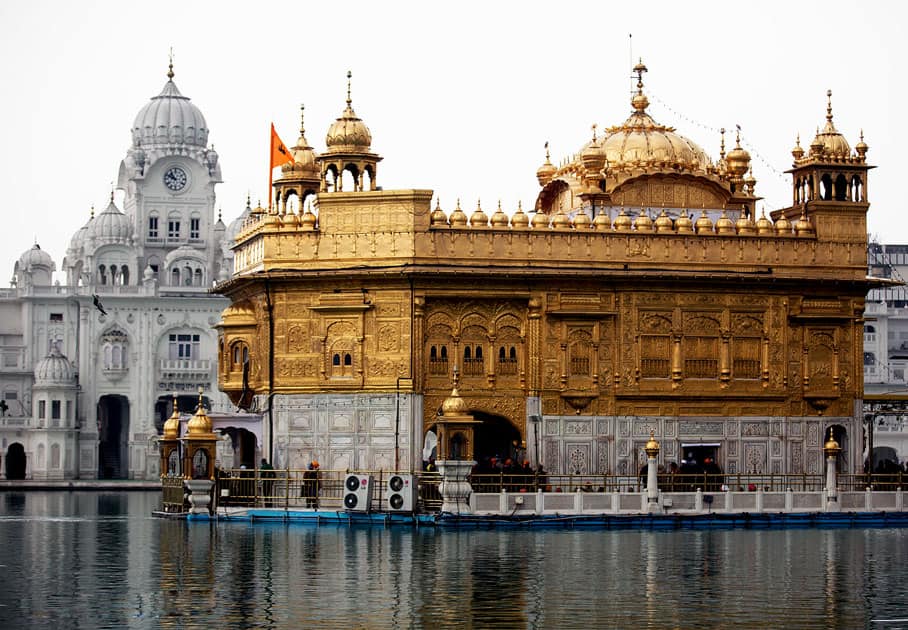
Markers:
point(746, 358)
point(655, 356)
point(701, 357)
point(195, 227)
point(507, 360)
point(473, 361)
point(184, 346)
point(152, 227)
point(438, 360)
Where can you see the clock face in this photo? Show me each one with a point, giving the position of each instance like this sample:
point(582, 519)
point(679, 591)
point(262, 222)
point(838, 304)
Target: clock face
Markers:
point(175, 178)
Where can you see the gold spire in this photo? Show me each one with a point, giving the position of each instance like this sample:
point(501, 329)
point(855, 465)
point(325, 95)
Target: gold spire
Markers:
point(302, 119)
point(170, 65)
point(172, 424)
point(829, 106)
point(349, 77)
point(92, 212)
point(454, 405)
point(640, 102)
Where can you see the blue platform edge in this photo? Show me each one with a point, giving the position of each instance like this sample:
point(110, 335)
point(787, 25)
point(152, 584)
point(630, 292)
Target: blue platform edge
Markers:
point(742, 520)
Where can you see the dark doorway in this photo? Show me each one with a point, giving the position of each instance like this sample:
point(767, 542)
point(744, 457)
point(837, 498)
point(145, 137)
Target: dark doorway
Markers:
point(697, 454)
point(841, 436)
point(15, 461)
point(497, 437)
point(243, 443)
point(113, 437)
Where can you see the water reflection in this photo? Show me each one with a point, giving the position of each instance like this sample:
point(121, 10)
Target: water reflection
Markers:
point(99, 560)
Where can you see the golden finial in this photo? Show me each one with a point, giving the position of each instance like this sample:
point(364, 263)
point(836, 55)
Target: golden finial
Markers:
point(594, 133)
point(219, 214)
point(456, 381)
point(200, 398)
point(640, 69)
point(722, 143)
point(349, 77)
point(829, 105)
point(546, 150)
point(302, 126)
point(170, 64)
point(248, 200)
point(92, 212)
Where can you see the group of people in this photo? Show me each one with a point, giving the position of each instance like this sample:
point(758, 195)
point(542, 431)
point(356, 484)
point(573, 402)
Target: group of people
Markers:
point(692, 474)
point(493, 474)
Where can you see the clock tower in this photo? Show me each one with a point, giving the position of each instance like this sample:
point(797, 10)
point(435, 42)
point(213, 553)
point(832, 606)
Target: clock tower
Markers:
point(169, 176)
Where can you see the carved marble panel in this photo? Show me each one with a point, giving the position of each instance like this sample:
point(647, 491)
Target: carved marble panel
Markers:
point(732, 448)
point(754, 429)
point(623, 428)
point(624, 448)
point(755, 457)
point(577, 457)
point(341, 421)
point(552, 426)
point(302, 421)
point(813, 462)
point(689, 427)
point(796, 457)
point(732, 466)
point(603, 426)
point(776, 448)
point(602, 457)
point(795, 429)
point(551, 456)
point(813, 434)
point(644, 427)
point(578, 427)
point(776, 467)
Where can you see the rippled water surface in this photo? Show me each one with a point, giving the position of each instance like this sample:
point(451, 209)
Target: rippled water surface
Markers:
point(87, 560)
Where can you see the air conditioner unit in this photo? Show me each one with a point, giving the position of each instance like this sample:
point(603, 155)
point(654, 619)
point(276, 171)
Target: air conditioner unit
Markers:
point(357, 492)
point(401, 493)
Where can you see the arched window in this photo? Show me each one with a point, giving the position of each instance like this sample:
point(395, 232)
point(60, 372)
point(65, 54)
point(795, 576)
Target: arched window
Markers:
point(826, 188)
point(175, 277)
point(438, 360)
point(336, 360)
point(841, 188)
point(348, 360)
point(124, 275)
point(197, 278)
point(102, 274)
point(473, 366)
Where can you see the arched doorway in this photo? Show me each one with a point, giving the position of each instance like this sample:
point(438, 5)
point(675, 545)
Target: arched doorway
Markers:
point(243, 443)
point(113, 437)
point(841, 436)
point(15, 461)
point(496, 437)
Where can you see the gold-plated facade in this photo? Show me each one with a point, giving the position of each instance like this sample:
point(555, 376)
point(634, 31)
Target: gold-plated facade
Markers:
point(714, 330)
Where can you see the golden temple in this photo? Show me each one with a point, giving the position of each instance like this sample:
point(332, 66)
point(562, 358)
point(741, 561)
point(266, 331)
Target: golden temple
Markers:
point(641, 296)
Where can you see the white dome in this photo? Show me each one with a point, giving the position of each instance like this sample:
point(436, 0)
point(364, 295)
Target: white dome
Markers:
point(170, 119)
point(54, 369)
point(111, 226)
point(78, 239)
point(36, 257)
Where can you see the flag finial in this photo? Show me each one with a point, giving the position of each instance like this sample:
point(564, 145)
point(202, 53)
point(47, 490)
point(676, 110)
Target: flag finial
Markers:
point(170, 64)
point(349, 77)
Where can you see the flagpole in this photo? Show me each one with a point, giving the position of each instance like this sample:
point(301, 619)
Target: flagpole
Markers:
point(270, 164)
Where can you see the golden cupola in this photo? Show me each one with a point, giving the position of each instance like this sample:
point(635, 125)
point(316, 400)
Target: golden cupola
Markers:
point(172, 424)
point(520, 218)
point(438, 216)
point(831, 144)
point(641, 142)
point(499, 218)
point(348, 134)
point(479, 218)
point(738, 161)
point(545, 172)
point(200, 423)
point(458, 218)
point(304, 162)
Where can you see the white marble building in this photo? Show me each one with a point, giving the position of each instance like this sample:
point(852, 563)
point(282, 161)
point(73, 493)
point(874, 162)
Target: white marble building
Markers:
point(88, 365)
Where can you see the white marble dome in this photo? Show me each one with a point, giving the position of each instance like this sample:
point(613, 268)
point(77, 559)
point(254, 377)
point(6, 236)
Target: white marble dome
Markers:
point(35, 257)
point(111, 226)
point(168, 119)
point(54, 369)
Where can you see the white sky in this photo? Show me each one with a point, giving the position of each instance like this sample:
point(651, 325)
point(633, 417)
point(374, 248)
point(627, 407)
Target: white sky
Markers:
point(459, 98)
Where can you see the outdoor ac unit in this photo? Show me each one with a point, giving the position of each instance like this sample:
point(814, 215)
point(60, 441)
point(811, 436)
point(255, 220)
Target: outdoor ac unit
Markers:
point(357, 492)
point(401, 493)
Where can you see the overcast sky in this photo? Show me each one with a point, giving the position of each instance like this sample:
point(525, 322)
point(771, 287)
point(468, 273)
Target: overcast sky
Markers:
point(460, 97)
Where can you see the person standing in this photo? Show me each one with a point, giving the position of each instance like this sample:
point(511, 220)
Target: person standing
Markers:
point(267, 471)
point(310, 485)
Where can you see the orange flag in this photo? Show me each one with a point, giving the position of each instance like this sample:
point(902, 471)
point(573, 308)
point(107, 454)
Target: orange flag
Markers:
point(279, 155)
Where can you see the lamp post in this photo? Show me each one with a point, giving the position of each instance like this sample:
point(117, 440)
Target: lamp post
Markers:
point(652, 488)
point(832, 450)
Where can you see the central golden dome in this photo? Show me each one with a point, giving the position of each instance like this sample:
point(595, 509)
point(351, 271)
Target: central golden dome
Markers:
point(642, 142)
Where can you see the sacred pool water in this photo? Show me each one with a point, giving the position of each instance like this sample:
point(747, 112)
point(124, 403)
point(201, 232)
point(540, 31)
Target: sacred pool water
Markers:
point(94, 559)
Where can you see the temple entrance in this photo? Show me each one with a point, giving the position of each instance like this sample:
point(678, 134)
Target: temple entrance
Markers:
point(15, 461)
point(113, 437)
point(497, 437)
point(243, 444)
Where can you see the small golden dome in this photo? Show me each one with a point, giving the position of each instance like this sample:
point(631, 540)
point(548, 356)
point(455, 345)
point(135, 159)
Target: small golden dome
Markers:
point(861, 147)
point(643, 223)
point(272, 219)
point(438, 216)
point(520, 218)
point(592, 156)
point(172, 424)
point(602, 222)
point(724, 225)
point(304, 162)
point(816, 147)
point(561, 220)
point(200, 423)
point(307, 221)
point(797, 152)
point(479, 218)
point(291, 219)
point(454, 405)
point(783, 226)
point(703, 225)
point(652, 446)
point(738, 160)
point(664, 223)
point(623, 222)
point(745, 224)
point(832, 144)
point(348, 134)
point(540, 220)
point(684, 223)
point(582, 221)
point(499, 218)
point(764, 225)
point(458, 218)
point(750, 182)
point(831, 447)
point(544, 173)
point(803, 226)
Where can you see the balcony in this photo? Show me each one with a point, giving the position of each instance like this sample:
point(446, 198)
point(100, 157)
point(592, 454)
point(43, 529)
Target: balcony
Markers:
point(184, 368)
